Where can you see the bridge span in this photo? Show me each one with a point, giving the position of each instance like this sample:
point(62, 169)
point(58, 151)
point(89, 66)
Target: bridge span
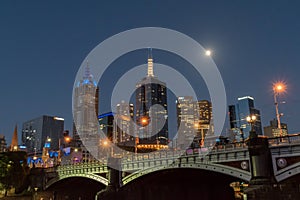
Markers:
point(259, 161)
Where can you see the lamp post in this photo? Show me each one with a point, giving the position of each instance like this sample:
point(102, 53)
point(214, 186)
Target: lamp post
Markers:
point(277, 89)
point(66, 140)
point(242, 134)
point(106, 144)
point(251, 119)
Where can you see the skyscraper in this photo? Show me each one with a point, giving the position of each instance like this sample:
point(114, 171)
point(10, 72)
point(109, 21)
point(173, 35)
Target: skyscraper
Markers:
point(196, 119)
point(36, 131)
point(238, 114)
point(123, 128)
point(186, 125)
point(106, 122)
point(151, 92)
point(85, 113)
point(204, 119)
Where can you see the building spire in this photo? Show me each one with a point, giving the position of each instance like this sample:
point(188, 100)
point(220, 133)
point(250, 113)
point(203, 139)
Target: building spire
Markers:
point(14, 141)
point(87, 72)
point(150, 63)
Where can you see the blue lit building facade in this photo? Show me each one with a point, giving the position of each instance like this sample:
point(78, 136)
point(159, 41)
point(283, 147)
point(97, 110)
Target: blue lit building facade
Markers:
point(237, 117)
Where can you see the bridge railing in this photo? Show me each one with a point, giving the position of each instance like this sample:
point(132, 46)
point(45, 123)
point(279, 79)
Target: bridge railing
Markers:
point(94, 166)
point(203, 151)
point(285, 140)
point(159, 155)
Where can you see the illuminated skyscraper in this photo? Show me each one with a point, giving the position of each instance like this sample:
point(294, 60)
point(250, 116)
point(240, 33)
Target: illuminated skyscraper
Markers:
point(238, 114)
point(204, 118)
point(151, 92)
point(36, 131)
point(185, 121)
point(85, 112)
point(196, 121)
point(86, 97)
point(123, 129)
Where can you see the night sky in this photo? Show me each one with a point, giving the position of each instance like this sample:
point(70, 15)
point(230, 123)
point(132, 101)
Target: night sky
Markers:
point(42, 45)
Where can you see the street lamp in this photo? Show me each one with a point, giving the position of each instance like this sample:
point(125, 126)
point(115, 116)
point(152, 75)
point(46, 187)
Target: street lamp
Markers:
point(277, 89)
point(106, 144)
point(251, 119)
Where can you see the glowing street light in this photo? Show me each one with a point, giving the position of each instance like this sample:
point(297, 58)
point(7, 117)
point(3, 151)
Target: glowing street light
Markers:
point(105, 143)
point(144, 121)
point(251, 120)
point(278, 88)
point(67, 139)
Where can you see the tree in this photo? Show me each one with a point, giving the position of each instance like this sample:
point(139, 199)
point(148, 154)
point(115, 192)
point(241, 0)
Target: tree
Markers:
point(13, 170)
point(4, 172)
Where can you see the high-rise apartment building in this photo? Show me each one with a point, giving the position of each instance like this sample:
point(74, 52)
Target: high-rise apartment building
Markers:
point(237, 117)
point(194, 120)
point(36, 131)
point(204, 119)
point(185, 121)
point(123, 126)
point(151, 93)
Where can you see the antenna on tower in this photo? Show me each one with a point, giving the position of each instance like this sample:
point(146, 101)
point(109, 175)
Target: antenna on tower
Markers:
point(149, 53)
point(150, 63)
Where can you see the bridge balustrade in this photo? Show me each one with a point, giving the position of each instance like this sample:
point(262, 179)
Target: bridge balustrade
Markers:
point(285, 140)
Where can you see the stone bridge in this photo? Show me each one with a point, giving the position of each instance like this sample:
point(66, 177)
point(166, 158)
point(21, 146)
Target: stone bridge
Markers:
point(245, 162)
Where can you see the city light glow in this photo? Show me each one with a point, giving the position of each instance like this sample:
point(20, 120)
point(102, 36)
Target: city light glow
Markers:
point(67, 139)
point(144, 121)
point(251, 118)
point(105, 142)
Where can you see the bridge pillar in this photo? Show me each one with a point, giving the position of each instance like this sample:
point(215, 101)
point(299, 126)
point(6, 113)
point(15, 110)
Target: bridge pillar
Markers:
point(262, 175)
point(114, 179)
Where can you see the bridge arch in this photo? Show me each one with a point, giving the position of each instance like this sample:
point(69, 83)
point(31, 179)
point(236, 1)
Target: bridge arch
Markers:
point(95, 177)
point(288, 172)
point(223, 169)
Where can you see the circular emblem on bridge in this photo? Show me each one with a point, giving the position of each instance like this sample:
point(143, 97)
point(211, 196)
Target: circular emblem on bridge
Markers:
point(281, 162)
point(244, 165)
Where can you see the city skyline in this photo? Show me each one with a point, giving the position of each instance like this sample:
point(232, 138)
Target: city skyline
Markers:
point(39, 65)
